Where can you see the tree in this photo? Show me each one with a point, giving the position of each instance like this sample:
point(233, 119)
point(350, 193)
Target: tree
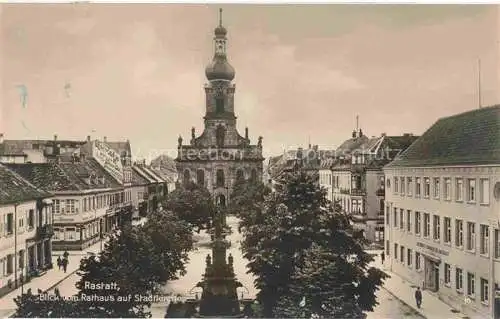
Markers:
point(247, 201)
point(193, 204)
point(133, 265)
point(306, 256)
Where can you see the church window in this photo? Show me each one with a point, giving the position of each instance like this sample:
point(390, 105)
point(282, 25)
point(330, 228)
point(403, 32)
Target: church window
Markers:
point(219, 105)
point(200, 177)
point(220, 135)
point(239, 175)
point(220, 178)
point(187, 176)
point(253, 176)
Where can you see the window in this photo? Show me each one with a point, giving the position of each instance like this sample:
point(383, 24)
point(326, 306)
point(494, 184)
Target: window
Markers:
point(395, 251)
point(427, 187)
point(418, 186)
point(485, 292)
point(471, 236)
point(459, 285)
point(395, 218)
point(497, 243)
point(408, 257)
point(459, 233)
point(70, 206)
point(447, 188)
point(57, 206)
point(409, 185)
point(471, 190)
point(470, 284)
point(187, 176)
point(402, 255)
point(21, 259)
point(437, 227)
point(447, 230)
point(484, 191)
point(402, 185)
point(387, 216)
point(484, 234)
point(396, 185)
point(417, 223)
point(220, 178)
point(200, 177)
point(408, 220)
point(401, 219)
point(387, 248)
point(356, 206)
point(10, 264)
point(219, 105)
point(427, 225)
point(447, 274)
point(10, 223)
point(417, 260)
point(436, 187)
point(459, 191)
point(31, 218)
point(381, 205)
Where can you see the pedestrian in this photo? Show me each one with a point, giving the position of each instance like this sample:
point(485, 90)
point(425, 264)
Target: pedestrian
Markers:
point(418, 297)
point(66, 254)
point(59, 262)
point(65, 264)
point(382, 257)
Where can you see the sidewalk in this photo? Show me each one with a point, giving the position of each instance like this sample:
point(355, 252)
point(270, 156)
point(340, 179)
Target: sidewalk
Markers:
point(50, 279)
point(402, 289)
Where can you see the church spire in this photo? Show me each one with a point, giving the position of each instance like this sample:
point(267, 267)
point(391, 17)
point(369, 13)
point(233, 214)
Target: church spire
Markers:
point(220, 69)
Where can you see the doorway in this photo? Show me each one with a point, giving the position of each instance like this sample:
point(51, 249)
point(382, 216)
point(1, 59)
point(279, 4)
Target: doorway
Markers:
point(431, 274)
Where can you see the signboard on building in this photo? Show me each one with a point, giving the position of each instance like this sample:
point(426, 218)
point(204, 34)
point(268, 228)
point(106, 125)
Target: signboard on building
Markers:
point(433, 250)
point(109, 159)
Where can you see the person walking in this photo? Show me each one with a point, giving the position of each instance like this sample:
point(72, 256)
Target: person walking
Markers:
point(66, 254)
point(65, 264)
point(382, 257)
point(59, 262)
point(418, 297)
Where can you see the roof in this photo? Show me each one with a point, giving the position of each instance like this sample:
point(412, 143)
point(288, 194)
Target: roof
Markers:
point(17, 189)
point(164, 174)
point(138, 179)
point(470, 138)
point(16, 147)
point(164, 162)
point(140, 171)
point(152, 174)
point(68, 176)
point(351, 144)
point(122, 148)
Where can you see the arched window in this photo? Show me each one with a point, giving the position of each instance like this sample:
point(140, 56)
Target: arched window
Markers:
point(253, 175)
point(187, 176)
point(239, 175)
point(220, 178)
point(221, 200)
point(219, 105)
point(200, 177)
point(220, 135)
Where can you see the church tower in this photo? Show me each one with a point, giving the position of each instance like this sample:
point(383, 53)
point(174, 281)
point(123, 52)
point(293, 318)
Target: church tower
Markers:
point(220, 155)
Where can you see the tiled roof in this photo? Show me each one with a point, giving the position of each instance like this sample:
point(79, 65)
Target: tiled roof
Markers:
point(66, 176)
point(139, 169)
point(164, 174)
point(351, 144)
point(138, 179)
point(470, 138)
point(16, 189)
point(16, 147)
point(152, 174)
point(164, 162)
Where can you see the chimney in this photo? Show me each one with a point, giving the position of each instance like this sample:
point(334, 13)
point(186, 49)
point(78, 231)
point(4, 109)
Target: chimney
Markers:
point(315, 148)
point(88, 138)
point(1, 138)
point(105, 139)
point(55, 137)
point(246, 133)
point(360, 133)
point(383, 134)
point(354, 134)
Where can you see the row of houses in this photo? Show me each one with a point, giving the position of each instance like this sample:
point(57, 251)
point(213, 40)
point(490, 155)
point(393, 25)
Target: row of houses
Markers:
point(431, 202)
point(67, 195)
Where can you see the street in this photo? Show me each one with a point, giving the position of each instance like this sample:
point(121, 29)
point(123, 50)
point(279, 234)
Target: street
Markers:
point(389, 306)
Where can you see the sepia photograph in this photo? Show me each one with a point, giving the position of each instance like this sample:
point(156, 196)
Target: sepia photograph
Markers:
point(249, 160)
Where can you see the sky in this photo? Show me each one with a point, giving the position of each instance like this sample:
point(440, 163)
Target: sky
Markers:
point(303, 72)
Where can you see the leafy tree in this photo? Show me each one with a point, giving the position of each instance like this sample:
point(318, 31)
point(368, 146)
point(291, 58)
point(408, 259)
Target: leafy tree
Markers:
point(134, 263)
point(247, 201)
point(307, 258)
point(193, 204)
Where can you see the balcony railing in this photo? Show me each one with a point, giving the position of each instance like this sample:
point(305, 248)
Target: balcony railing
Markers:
point(344, 191)
point(45, 231)
point(357, 192)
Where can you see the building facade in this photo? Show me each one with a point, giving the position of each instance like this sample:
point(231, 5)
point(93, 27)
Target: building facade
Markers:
point(220, 155)
point(25, 231)
point(442, 211)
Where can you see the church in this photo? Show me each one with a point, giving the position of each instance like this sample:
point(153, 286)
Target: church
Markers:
point(219, 156)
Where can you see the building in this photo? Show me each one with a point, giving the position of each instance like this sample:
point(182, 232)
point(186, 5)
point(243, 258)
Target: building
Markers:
point(442, 211)
point(220, 155)
point(165, 168)
point(140, 196)
point(25, 230)
point(358, 179)
point(156, 189)
point(88, 201)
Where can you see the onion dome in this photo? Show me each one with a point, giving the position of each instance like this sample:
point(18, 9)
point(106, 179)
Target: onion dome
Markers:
point(220, 31)
point(219, 69)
